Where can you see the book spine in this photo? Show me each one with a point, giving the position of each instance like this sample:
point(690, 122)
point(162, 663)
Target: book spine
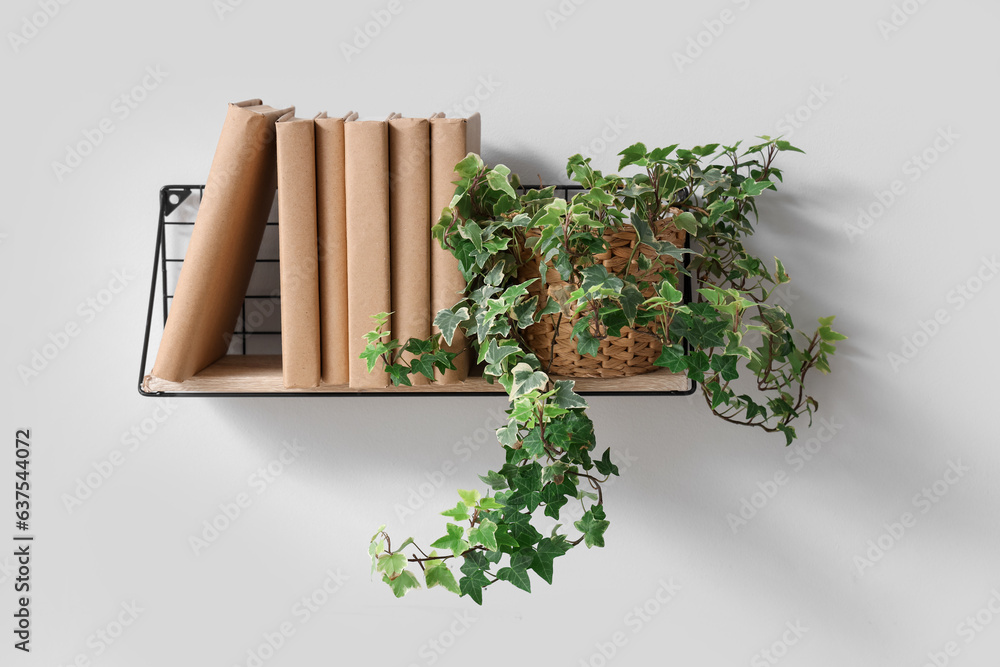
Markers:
point(448, 147)
point(409, 180)
point(224, 244)
point(332, 242)
point(366, 170)
point(297, 254)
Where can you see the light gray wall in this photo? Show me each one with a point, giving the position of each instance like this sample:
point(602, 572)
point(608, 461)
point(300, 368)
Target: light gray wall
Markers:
point(878, 98)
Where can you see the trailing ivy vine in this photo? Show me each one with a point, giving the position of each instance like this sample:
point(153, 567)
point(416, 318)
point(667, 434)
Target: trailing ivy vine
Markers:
point(549, 446)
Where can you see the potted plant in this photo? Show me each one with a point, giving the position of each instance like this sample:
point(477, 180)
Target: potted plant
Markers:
point(557, 286)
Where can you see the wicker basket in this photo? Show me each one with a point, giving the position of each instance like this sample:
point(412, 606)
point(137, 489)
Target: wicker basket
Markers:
point(632, 353)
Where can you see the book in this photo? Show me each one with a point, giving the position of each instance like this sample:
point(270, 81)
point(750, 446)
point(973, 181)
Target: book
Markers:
point(331, 210)
point(224, 243)
point(410, 245)
point(366, 180)
point(451, 140)
point(298, 262)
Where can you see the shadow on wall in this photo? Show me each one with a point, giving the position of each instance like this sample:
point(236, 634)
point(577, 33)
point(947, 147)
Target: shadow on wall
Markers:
point(800, 516)
point(530, 166)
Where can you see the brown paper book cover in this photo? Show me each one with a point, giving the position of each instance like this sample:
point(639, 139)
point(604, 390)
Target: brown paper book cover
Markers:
point(409, 186)
point(227, 233)
point(450, 142)
point(331, 209)
point(366, 179)
point(298, 261)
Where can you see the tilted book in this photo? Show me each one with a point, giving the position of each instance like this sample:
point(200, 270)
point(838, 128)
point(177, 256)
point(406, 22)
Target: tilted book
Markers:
point(224, 243)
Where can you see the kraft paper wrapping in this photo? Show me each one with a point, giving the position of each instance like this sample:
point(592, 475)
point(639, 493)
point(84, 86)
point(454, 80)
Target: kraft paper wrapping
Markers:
point(366, 170)
point(450, 140)
point(332, 222)
point(409, 180)
point(298, 260)
point(227, 233)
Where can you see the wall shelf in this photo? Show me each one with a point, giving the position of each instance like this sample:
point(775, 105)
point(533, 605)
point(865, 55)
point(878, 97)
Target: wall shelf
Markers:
point(253, 365)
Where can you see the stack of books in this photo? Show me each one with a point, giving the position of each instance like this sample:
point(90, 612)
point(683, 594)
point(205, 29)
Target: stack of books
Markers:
point(356, 203)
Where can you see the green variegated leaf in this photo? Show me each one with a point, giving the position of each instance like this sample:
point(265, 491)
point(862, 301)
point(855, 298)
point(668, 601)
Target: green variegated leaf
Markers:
point(448, 321)
point(565, 397)
point(525, 379)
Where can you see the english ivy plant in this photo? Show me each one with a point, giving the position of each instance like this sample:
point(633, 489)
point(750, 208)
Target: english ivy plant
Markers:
point(550, 463)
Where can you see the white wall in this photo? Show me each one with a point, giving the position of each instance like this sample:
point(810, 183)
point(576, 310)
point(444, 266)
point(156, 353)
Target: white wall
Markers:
point(898, 430)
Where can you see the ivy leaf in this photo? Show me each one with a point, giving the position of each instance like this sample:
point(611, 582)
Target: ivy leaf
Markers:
point(687, 222)
point(472, 585)
point(495, 275)
point(371, 354)
point(597, 278)
point(507, 435)
point(783, 145)
point(475, 577)
point(391, 564)
point(484, 534)
point(725, 365)
point(423, 365)
point(672, 357)
point(669, 292)
point(533, 443)
point(660, 154)
point(557, 469)
point(779, 274)
point(488, 503)
point(437, 573)
point(470, 165)
point(518, 577)
point(497, 180)
point(753, 188)
point(519, 525)
point(634, 154)
point(524, 312)
point(474, 233)
point(399, 375)
point(470, 498)
point(495, 353)
point(448, 321)
point(525, 379)
point(565, 397)
point(789, 432)
point(630, 300)
point(586, 344)
point(645, 234)
point(460, 512)
point(528, 488)
point(605, 466)
point(517, 572)
point(495, 480)
point(829, 335)
point(453, 540)
point(548, 549)
point(403, 582)
point(592, 528)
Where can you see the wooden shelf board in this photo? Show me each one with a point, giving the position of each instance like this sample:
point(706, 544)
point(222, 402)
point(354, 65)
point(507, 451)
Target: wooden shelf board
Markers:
point(261, 374)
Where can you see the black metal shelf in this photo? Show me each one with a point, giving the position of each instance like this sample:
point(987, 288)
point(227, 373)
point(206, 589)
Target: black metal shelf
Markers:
point(165, 255)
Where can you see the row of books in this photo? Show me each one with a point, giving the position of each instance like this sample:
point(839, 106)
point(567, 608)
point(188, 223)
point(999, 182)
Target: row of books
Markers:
point(356, 201)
